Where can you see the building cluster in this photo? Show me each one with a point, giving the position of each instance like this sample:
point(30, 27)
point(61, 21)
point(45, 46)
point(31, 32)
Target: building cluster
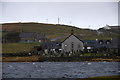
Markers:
point(107, 27)
point(73, 44)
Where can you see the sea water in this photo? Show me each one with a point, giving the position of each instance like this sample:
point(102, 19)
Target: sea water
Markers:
point(59, 69)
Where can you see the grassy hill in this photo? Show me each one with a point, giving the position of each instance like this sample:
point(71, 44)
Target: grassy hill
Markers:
point(51, 30)
point(55, 30)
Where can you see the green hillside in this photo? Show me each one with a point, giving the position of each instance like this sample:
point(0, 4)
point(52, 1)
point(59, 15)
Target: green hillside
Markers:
point(55, 30)
point(51, 30)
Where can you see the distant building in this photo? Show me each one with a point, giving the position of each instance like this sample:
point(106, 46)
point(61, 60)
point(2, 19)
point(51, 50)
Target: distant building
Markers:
point(116, 43)
point(97, 43)
point(107, 27)
point(40, 38)
point(93, 45)
point(27, 37)
point(114, 27)
point(51, 46)
point(89, 45)
point(72, 44)
point(32, 37)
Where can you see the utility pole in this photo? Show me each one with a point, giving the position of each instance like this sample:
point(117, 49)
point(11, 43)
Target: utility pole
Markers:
point(99, 26)
point(89, 26)
point(70, 22)
point(58, 20)
point(47, 20)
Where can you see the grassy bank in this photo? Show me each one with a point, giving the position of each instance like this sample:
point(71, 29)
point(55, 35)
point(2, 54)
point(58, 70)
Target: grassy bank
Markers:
point(21, 59)
point(36, 58)
point(80, 59)
point(116, 77)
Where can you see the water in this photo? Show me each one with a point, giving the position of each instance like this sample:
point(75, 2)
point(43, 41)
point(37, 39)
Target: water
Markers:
point(59, 69)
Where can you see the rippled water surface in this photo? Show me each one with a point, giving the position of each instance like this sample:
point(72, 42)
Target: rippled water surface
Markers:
point(59, 69)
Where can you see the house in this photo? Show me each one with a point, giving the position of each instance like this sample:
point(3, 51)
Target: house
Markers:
point(107, 27)
point(27, 37)
point(115, 46)
point(114, 27)
point(72, 44)
point(89, 45)
point(51, 46)
point(103, 43)
point(32, 37)
point(93, 45)
point(40, 38)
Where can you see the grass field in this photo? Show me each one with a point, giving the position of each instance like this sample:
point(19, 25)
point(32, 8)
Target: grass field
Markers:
point(93, 54)
point(17, 47)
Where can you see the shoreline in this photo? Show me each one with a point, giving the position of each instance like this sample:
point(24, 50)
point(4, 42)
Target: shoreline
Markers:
point(94, 60)
point(61, 59)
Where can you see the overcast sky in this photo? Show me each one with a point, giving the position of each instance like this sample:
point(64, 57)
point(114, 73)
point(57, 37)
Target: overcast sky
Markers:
point(80, 14)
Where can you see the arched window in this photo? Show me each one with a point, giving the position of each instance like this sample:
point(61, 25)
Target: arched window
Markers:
point(65, 45)
point(108, 42)
point(101, 42)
